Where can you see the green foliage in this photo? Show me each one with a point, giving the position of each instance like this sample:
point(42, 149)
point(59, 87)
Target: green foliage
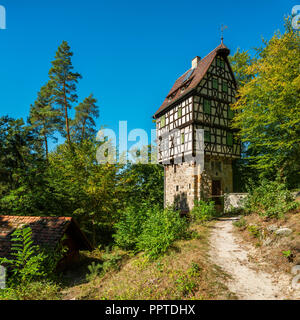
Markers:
point(43, 290)
point(254, 231)
point(151, 230)
point(27, 260)
point(240, 62)
point(160, 230)
point(271, 199)
point(241, 223)
point(268, 108)
point(64, 82)
point(203, 211)
point(142, 183)
point(129, 228)
point(289, 255)
point(194, 270)
point(94, 270)
point(83, 126)
point(112, 260)
point(44, 117)
point(185, 285)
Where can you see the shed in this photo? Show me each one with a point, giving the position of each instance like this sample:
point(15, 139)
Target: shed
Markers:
point(46, 232)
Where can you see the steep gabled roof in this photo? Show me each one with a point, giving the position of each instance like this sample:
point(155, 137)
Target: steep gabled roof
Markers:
point(46, 231)
point(197, 75)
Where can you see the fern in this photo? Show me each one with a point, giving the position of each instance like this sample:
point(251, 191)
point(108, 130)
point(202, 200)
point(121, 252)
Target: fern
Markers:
point(26, 263)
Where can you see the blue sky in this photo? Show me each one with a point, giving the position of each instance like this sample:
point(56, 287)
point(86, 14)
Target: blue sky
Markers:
point(129, 52)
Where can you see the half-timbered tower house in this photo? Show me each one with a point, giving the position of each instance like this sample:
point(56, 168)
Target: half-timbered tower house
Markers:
point(199, 99)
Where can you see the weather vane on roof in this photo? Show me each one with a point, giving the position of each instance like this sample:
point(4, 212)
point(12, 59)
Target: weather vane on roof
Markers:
point(222, 32)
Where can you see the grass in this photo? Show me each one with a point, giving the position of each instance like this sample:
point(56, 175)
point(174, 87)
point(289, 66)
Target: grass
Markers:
point(184, 272)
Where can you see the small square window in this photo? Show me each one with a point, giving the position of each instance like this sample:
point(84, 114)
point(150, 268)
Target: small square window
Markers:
point(215, 83)
point(225, 86)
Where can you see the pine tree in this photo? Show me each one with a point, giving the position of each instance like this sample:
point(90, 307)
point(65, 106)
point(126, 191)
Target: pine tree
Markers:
point(84, 124)
point(64, 80)
point(44, 117)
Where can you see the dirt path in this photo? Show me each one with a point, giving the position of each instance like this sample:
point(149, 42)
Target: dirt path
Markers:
point(247, 281)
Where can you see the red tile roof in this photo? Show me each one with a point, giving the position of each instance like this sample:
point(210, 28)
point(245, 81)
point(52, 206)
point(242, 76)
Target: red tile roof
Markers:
point(195, 79)
point(46, 231)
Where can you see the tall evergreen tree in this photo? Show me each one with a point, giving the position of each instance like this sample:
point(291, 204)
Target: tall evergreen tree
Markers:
point(84, 126)
point(44, 117)
point(64, 80)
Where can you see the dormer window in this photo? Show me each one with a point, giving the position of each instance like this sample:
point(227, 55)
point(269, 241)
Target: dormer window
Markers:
point(169, 99)
point(220, 62)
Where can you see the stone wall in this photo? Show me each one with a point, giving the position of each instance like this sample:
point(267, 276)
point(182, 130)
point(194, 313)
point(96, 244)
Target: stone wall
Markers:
point(180, 185)
point(184, 183)
point(234, 201)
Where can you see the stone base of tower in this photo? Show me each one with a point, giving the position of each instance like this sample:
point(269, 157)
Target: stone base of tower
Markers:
point(187, 182)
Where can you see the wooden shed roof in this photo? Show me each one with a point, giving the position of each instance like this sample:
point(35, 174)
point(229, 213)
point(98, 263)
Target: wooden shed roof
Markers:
point(46, 231)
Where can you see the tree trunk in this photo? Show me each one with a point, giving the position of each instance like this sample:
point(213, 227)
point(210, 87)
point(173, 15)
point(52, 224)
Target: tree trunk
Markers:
point(46, 146)
point(45, 140)
point(66, 116)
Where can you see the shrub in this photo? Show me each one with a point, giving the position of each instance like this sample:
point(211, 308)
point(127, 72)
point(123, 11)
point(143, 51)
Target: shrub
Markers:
point(254, 231)
point(271, 199)
point(94, 271)
point(160, 230)
point(289, 255)
point(112, 261)
point(203, 211)
point(152, 230)
point(185, 285)
point(129, 227)
point(241, 223)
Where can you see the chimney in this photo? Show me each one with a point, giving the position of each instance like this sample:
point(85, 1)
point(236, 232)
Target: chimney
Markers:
point(195, 62)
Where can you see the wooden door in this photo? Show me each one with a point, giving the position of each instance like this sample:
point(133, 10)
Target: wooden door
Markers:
point(216, 187)
point(216, 191)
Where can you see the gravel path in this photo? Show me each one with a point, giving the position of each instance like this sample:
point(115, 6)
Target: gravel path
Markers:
point(247, 281)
